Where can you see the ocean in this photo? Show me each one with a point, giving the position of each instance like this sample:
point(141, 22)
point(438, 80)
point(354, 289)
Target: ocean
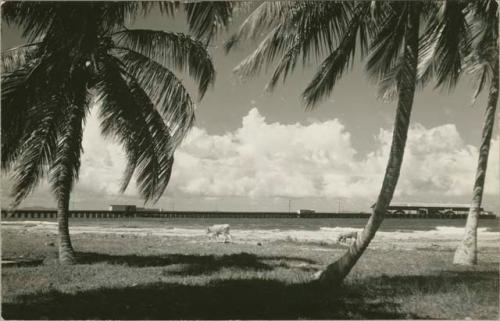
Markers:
point(390, 224)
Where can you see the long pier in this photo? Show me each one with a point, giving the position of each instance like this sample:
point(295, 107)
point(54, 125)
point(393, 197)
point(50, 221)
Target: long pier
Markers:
point(105, 214)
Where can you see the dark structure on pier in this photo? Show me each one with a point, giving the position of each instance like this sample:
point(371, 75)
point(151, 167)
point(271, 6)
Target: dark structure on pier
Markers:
point(432, 210)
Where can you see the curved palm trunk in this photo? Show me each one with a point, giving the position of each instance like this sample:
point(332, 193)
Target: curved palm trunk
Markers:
point(66, 252)
point(466, 253)
point(337, 271)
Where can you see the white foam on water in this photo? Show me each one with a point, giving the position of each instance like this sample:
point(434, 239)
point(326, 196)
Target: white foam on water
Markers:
point(21, 223)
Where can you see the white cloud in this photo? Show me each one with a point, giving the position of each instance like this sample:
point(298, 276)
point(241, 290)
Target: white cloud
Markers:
point(261, 159)
point(438, 161)
point(318, 160)
point(266, 160)
point(103, 162)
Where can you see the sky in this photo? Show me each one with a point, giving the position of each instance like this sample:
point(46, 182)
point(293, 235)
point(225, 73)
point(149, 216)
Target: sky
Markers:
point(253, 150)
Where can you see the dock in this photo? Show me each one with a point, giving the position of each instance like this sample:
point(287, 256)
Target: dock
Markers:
point(106, 214)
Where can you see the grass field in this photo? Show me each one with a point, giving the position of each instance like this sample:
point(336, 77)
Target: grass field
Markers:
point(152, 277)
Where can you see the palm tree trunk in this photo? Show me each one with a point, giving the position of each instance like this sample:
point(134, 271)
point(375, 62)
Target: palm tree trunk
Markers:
point(66, 253)
point(337, 271)
point(466, 253)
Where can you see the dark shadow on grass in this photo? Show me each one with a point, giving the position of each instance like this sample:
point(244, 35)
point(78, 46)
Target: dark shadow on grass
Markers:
point(181, 264)
point(227, 299)
point(176, 263)
point(370, 298)
point(243, 258)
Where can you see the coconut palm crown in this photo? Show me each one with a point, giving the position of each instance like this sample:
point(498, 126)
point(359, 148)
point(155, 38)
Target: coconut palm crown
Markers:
point(80, 51)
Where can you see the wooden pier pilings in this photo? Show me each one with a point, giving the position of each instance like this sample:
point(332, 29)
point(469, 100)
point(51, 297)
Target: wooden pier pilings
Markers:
point(104, 214)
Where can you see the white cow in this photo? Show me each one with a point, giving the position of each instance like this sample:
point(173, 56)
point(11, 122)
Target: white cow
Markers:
point(217, 230)
point(347, 236)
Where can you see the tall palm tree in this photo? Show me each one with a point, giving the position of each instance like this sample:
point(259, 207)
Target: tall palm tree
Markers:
point(483, 60)
point(79, 51)
point(462, 36)
point(387, 31)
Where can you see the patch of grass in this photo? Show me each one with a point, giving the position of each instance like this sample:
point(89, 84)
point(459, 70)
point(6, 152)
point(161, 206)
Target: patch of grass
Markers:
point(445, 295)
point(223, 299)
point(191, 278)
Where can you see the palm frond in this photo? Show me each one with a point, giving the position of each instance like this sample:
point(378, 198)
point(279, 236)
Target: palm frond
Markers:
point(334, 65)
point(14, 116)
point(286, 65)
point(35, 102)
point(15, 58)
point(317, 27)
point(171, 49)
point(124, 117)
point(389, 85)
point(21, 93)
point(445, 43)
point(38, 149)
point(116, 14)
point(34, 17)
point(387, 45)
point(398, 75)
point(165, 90)
point(483, 77)
point(302, 29)
point(207, 18)
point(276, 42)
point(65, 166)
point(162, 145)
point(483, 56)
point(266, 16)
point(321, 25)
point(404, 71)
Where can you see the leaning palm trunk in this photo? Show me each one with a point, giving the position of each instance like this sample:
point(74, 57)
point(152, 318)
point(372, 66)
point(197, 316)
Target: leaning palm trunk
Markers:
point(337, 271)
point(66, 253)
point(466, 253)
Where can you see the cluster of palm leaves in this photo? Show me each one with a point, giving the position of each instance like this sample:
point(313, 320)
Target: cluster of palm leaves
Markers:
point(83, 51)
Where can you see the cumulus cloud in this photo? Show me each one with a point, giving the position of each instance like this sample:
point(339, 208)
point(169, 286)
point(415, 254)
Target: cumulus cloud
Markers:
point(317, 160)
point(437, 161)
point(262, 159)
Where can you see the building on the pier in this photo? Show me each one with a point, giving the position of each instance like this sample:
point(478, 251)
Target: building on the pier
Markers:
point(145, 209)
point(305, 211)
point(123, 208)
point(131, 208)
point(430, 209)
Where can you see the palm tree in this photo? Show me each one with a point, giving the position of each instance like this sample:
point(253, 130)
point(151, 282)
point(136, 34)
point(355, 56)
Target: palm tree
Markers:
point(463, 36)
point(483, 60)
point(80, 51)
point(387, 31)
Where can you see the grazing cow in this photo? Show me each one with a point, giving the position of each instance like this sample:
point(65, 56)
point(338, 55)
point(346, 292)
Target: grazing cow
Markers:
point(347, 236)
point(217, 230)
